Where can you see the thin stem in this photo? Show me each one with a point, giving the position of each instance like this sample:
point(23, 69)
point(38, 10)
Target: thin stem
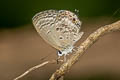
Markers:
point(33, 68)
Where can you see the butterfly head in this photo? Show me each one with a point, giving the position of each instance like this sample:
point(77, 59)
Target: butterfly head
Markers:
point(65, 51)
point(60, 53)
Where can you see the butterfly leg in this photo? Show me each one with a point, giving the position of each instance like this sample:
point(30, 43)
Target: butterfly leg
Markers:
point(75, 48)
point(58, 58)
point(65, 58)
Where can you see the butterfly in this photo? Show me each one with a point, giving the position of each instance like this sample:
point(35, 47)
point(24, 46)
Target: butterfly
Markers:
point(59, 28)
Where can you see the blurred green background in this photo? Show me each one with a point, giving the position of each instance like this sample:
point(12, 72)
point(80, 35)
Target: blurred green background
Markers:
point(22, 48)
point(18, 12)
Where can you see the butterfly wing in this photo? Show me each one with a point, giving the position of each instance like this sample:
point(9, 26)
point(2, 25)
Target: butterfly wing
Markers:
point(57, 28)
point(44, 22)
point(65, 31)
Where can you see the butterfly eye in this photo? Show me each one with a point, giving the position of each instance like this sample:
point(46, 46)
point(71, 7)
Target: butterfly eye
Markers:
point(60, 53)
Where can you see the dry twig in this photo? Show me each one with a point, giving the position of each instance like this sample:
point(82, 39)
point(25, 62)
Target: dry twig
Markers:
point(65, 67)
point(33, 68)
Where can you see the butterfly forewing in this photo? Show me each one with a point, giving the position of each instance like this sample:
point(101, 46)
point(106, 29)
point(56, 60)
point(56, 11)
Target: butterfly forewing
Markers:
point(44, 23)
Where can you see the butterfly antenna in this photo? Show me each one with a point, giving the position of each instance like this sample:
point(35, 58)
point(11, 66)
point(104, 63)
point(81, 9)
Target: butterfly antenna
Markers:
point(76, 12)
